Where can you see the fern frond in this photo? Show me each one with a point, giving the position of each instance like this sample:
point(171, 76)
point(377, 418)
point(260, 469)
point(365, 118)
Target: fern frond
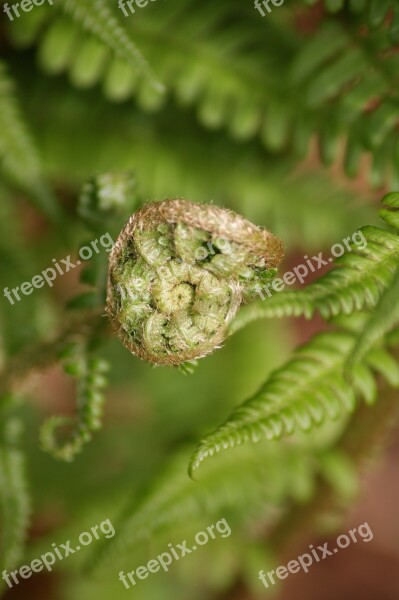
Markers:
point(356, 72)
point(355, 284)
point(108, 197)
point(18, 157)
point(376, 12)
point(390, 214)
point(97, 18)
point(384, 318)
point(212, 67)
point(231, 87)
point(268, 479)
point(14, 499)
point(89, 373)
point(301, 395)
point(184, 165)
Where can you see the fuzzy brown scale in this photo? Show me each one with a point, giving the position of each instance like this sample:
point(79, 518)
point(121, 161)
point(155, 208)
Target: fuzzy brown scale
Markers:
point(178, 274)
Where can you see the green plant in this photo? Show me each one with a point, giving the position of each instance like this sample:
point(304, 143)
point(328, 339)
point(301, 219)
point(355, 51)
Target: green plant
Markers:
point(269, 118)
point(178, 275)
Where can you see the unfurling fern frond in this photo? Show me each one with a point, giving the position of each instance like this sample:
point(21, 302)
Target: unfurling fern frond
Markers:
point(107, 197)
point(302, 394)
point(18, 157)
point(355, 284)
point(14, 499)
point(89, 373)
point(178, 274)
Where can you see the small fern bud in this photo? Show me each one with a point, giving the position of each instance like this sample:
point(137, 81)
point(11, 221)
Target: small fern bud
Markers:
point(178, 274)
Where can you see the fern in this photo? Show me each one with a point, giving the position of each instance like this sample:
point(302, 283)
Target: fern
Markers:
point(269, 480)
point(97, 18)
point(18, 156)
point(14, 500)
point(246, 99)
point(386, 315)
point(193, 166)
point(89, 373)
point(356, 284)
point(384, 319)
point(247, 95)
point(377, 12)
point(302, 394)
point(312, 385)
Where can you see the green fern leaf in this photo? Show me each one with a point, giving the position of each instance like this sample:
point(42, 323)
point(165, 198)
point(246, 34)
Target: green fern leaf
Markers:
point(97, 18)
point(383, 319)
point(301, 395)
point(268, 477)
point(355, 284)
point(18, 156)
point(14, 499)
point(390, 214)
point(376, 11)
point(211, 66)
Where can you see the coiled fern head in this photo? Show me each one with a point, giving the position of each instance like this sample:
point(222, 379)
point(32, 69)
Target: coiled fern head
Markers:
point(179, 272)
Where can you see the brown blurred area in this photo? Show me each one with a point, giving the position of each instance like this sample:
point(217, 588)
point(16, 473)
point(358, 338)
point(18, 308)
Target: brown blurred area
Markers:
point(363, 571)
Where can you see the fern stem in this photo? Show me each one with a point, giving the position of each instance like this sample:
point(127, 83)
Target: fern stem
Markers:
point(43, 354)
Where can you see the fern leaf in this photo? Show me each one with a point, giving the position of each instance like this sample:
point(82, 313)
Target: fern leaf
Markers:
point(183, 167)
point(211, 66)
point(390, 214)
point(384, 318)
point(376, 11)
point(97, 18)
point(355, 284)
point(300, 395)
point(14, 500)
point(268, 477)
point(18, 156)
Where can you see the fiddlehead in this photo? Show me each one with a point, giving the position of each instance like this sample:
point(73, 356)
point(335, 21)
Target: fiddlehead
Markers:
point(178, 274)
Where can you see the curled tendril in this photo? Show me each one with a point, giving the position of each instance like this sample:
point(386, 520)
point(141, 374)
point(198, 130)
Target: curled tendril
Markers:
point(89, 373)
point(179, 272)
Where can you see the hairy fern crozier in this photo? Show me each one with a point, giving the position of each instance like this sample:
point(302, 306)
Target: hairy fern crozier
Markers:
point(178, 274)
